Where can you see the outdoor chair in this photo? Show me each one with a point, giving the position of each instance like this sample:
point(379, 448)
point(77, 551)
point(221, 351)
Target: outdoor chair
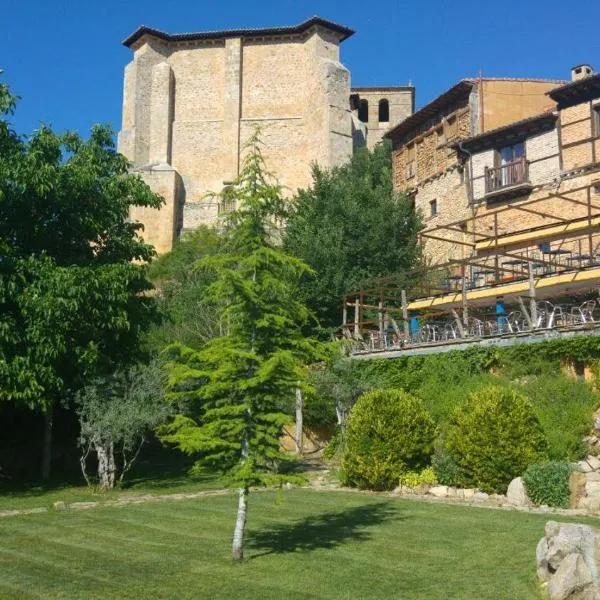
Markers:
point(584, 313)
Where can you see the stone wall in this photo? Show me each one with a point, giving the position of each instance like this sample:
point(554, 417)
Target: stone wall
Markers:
point(192, 105)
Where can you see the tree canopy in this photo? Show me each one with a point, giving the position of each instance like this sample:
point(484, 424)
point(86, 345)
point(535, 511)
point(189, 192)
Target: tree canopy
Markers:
point(350, 226)
point(72, 274)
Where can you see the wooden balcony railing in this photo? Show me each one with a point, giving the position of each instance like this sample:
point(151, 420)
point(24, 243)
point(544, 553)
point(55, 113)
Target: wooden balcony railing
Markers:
point(505, 176)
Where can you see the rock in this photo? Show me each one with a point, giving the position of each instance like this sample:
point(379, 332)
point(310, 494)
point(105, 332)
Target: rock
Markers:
point(517, 494)
point(468, 493)
point(593, 462)
point(439, 491)
point(60, 505)
point(572, 576)
point(583, 466)
point(83, 505)
point(541, 561)
point(577, 488)
point(571, 538)
point(480, 496)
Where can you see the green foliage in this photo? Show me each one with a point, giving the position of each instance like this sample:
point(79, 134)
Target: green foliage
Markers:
point(548, 483)
point(446, 470)
point(231, 392)
point(333, 447)
point(493, 437)
point(72, 282)
point(565, 408)
point(120, 410)
point(351, 226)
point(415, 478)
point(388, 432)
point(188, 316)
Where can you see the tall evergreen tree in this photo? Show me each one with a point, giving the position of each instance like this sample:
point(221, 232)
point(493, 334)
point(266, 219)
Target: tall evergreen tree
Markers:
point(235, 387)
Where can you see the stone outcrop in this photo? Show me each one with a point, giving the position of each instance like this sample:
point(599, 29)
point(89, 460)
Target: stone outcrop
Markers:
point(567, 561)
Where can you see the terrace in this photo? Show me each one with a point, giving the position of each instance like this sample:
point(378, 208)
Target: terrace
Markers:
point(510, 287)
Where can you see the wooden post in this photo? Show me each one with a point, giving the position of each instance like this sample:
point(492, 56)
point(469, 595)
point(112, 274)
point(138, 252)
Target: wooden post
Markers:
point(465, 306)
point(380, 314)
point(459, 325)
point(345, 312)
point(532, 302)
point(357, 319)
point(525, 312)
point(405, 314)
point(496, 265)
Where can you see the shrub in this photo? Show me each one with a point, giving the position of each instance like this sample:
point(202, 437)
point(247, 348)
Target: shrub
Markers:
point(565, 408)
point(548, 483)
point(493, 437)
point(333, 446)
point(388, 432)
point(445, 468)
point(415, 478)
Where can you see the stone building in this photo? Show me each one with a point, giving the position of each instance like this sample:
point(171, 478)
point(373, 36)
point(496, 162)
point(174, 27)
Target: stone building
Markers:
point(426, 162)
point(192, 99)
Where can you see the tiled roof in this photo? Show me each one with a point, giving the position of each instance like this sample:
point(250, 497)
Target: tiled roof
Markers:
point(578, 91)
point(462, 88)
point(541, 122)
point(229, 33)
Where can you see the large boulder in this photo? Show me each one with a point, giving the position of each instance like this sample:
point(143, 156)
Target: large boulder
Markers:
point(567, 561)
point(516, 494)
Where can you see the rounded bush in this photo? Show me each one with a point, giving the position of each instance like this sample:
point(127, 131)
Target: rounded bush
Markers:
point(493, 437)
point(548, 483)
point(388, 432)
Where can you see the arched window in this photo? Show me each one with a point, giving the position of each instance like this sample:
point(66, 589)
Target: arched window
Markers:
point(384, 111)
point(363, 111)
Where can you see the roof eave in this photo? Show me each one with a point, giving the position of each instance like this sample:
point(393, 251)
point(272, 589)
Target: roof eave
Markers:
point(343, 31)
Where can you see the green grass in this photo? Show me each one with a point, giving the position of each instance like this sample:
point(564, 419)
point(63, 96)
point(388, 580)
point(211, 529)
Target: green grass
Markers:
point(301, 544)
point(167, 475)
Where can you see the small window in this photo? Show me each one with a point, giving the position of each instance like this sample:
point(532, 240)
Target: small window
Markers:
point(363, 111)
point(596, 120)
point(384, 111)
point(433, 208)
point(411, 170)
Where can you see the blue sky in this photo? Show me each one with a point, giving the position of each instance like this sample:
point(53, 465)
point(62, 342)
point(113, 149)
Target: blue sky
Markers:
point(65, 58)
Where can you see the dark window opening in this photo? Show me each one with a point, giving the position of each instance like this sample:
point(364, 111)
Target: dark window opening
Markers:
point(596, 121)
point(433, 208)
point(363, 111)
point(384, 111)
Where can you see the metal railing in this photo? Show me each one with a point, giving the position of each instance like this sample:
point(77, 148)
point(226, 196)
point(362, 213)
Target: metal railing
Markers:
point(508, 175)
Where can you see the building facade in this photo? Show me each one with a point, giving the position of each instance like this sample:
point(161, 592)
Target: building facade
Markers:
point(192, 100)
point(427, 162)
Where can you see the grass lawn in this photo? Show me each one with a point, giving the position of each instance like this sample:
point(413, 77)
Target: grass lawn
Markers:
point(166, 475)
point(301, 544)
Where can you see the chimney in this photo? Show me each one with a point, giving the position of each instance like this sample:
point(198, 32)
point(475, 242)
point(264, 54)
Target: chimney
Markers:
point(580, 72)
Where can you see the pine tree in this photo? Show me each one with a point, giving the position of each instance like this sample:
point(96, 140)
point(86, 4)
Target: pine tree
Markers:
point(235, 387)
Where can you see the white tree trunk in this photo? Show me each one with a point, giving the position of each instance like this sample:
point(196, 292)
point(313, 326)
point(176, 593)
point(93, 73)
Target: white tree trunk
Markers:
point(237, 550)
point(299, 424)
point(106, 464)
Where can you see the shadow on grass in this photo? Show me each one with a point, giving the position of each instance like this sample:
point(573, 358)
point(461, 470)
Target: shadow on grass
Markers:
point(325, 531)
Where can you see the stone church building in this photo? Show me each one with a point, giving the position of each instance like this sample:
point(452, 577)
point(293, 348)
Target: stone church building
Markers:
point(192, 99)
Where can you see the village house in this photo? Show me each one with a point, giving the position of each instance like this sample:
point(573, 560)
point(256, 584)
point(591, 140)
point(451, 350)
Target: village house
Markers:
point(191, 100)
point(511, 234)
point(428, 166)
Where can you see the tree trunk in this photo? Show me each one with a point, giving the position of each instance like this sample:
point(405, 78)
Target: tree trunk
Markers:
point(299, 424)
point(106, 464)
point(237, 550)
point(47, 444)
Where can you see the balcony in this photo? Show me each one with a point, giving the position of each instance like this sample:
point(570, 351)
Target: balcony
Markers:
point(508, 180)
